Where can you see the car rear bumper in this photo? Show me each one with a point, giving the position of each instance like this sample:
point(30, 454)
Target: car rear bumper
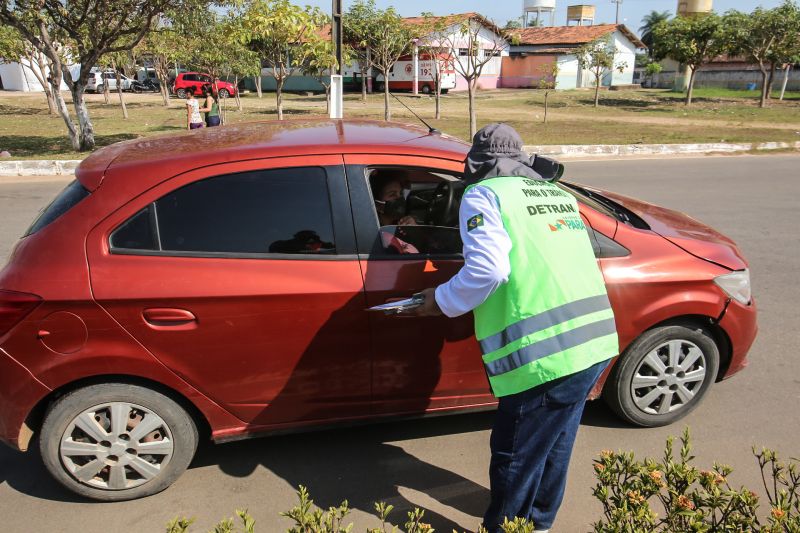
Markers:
point(20, 391)
point(740, 324)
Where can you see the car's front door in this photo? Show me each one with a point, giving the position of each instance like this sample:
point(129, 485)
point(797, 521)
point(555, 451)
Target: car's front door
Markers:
point(418, 364)
point(242, 279)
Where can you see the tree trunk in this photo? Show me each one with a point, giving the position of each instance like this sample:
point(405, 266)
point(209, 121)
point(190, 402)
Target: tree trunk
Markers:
point(546, 94)
point(72, 131)
point(596, 91)
point(363, 82)
point(106, 93)
point(279, 96)
point(786, 70)
point(473, 118)
point(86, 132)
point(51, 102)
point(41, 61)
point(238, 100)
point(257, 80)
point(690, 90)
point(327, 99)
point(770, 80)
point(387, 113)
point(121, 98)
point(164, 92)
point(764, 86)
point(438, 113)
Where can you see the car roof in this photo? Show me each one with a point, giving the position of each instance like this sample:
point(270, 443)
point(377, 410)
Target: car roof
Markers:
point(152, 159)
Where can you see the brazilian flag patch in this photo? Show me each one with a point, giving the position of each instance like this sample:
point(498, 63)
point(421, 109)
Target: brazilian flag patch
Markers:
point(475, 222)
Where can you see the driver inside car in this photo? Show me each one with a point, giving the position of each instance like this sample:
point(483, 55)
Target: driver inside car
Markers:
point(390, 204)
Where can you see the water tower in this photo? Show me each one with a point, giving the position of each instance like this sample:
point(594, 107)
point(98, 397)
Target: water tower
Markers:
point(691, 8)
point(580, 14)
point(539, 7)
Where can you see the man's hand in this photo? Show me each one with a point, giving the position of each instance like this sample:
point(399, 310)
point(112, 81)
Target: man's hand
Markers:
point(430, 307)
point(407, 221)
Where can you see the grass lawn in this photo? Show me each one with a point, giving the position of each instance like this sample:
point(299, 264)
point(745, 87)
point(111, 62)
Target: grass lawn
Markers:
point(624, 117)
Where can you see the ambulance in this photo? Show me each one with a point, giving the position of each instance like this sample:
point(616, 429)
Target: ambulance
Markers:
point(401, 76)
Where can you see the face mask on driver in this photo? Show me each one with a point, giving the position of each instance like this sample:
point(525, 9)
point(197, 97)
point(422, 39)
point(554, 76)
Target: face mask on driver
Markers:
point(394, 208)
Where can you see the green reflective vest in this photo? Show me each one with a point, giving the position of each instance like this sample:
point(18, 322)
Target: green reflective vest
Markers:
point(553, 317)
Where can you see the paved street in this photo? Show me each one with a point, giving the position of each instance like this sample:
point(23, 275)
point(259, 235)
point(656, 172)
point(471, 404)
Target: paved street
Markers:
point(441, 464)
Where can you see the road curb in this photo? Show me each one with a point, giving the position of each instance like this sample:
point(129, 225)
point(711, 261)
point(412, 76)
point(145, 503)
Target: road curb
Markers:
point(39, 167)
point(55, 167)
point(567, 151)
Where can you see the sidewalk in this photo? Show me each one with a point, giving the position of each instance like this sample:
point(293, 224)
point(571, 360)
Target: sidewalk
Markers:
point(50, 167)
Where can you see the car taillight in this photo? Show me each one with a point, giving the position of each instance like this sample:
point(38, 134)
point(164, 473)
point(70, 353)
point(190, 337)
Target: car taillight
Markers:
point(14, 306)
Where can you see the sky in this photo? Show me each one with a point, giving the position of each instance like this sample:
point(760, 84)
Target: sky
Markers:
point(631, 11)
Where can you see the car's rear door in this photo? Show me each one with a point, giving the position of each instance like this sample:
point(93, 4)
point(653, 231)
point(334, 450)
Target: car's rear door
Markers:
point(242, 278)
point(418, 364)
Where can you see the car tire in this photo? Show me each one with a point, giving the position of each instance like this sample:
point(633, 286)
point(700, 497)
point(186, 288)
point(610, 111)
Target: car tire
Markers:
point(99, 89)
point(223, 93)
point(88, 420)
point(426, 89)
point(180, 93)
point(663, 375)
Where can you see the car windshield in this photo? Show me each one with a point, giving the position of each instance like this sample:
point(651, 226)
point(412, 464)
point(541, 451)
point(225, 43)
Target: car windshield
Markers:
point(608, 207)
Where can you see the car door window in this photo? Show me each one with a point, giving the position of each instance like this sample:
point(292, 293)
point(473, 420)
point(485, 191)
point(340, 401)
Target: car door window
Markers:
point(416, 209)
point(280, 211)
point(204, 79)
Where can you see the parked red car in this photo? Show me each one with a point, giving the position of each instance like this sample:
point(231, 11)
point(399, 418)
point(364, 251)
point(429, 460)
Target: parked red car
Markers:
point(194, 82)
point(173, 292)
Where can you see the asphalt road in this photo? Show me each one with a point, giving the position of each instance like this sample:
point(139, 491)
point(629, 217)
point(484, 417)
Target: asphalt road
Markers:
point(441, 464)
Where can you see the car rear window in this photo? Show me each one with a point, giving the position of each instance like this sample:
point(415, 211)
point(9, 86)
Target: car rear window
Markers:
point(280, 211)
point(66, 200)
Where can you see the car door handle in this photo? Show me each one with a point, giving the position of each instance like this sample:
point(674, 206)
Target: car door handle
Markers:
point(166, 317)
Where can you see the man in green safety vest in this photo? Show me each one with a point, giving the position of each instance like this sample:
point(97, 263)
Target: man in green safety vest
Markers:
point(542, 318)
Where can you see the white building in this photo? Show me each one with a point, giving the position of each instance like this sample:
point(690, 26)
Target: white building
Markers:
point(491, 39)
point(535, 49)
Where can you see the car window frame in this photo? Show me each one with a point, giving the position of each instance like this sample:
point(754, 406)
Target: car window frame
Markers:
point(365, 218)
point(341, 217)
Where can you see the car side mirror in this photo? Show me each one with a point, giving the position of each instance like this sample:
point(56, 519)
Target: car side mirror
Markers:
point(549, 169)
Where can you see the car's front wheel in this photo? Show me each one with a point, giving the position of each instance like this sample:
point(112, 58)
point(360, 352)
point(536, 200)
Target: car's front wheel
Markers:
point(223, 93)
point(180, 93)
point(663, 375)
point(115, 441)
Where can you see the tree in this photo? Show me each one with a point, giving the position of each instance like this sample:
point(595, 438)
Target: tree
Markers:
point(786, 50)
point(650, 21)
point(321, 62)
point(389, 39)
point(282, 34)
point(755, 36)
point(548, 82)
point(357, 24)
point(14, 48)
point(165, 46)
point(598, 58)
point(473, 54)
point(693, 41)
point(436, 51)
point(90, 30)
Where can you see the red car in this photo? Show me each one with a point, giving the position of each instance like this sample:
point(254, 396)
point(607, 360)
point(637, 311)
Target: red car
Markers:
point(172, 292)
point(194, 82)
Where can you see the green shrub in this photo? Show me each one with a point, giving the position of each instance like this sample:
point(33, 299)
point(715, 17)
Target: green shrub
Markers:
point(692, 499)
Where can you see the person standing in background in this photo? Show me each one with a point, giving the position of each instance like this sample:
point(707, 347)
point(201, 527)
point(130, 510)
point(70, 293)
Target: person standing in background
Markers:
point(193, 118)
point(210, 106)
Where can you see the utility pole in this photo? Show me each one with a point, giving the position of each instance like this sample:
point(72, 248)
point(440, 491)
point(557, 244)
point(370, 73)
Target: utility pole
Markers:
point(619, 3)
point(337, 83)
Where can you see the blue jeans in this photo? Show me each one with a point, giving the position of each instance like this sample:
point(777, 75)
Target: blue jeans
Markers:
point(531, 446)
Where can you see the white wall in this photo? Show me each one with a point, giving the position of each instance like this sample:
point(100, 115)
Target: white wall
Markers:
point(626, 52)
point(486, 39)
point(568, 72)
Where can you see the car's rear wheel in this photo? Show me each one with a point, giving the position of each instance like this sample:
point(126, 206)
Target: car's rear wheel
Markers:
point(223, 93)
point(180, 93)
point(100, 89)
point(426, 89)
point(663, 375)
point(116, 441)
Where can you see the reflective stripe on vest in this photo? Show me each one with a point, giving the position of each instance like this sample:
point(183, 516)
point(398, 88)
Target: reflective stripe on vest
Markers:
point(552, 317)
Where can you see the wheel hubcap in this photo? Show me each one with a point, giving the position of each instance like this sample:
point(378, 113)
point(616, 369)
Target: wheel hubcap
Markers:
point(669, 377)
point(116, 446)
